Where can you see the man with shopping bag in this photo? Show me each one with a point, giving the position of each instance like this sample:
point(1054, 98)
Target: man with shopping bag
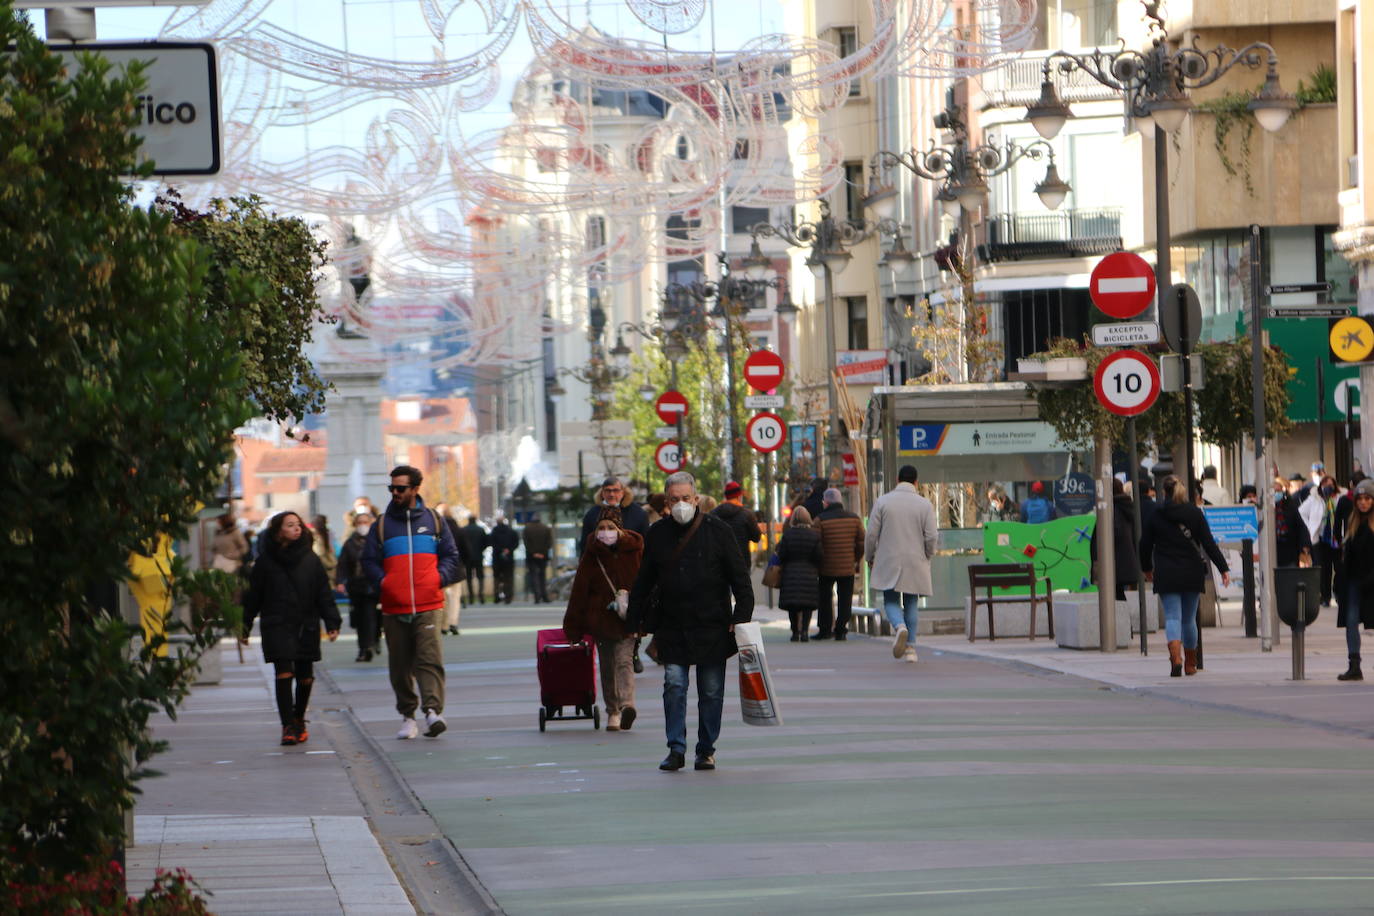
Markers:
point(692, 569)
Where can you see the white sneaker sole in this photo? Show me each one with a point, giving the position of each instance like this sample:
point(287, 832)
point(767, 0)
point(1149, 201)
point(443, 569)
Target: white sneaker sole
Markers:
point(899, 643)
point(408, 732)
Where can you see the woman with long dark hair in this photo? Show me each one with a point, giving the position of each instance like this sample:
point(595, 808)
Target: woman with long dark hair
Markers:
point(1355, 576)
point(289, 590)
point(1172, 547)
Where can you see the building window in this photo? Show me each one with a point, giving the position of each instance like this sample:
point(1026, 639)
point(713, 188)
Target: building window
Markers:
point(742, 219)
point(854, 191)
point(856, 308)
point(847, 42)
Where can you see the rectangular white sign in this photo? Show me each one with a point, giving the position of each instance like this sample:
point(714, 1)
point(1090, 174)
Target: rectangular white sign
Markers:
point(862, 367)
point(665, 432)
point(1126, 333)
point(1122, 284)
point(764, 401)
point(179, 106)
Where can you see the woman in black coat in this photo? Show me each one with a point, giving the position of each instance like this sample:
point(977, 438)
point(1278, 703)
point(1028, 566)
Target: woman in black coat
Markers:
point(1124, 549)
point(1171, 555)
point(289, 590)
point(799, 554)
point(1355, 576)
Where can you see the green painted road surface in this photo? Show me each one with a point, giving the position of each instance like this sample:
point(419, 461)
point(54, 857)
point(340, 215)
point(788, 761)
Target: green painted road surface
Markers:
point(955, 785)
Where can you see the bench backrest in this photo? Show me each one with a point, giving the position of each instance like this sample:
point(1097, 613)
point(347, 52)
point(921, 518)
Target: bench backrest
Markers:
point(1001, 575)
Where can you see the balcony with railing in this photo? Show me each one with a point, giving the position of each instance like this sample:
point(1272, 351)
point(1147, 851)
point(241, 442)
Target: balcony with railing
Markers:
point(1061, 234)
point(1018, 83)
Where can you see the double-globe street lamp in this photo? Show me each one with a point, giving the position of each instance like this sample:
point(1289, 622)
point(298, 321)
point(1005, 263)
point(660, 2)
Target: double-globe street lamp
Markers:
point(829, 241)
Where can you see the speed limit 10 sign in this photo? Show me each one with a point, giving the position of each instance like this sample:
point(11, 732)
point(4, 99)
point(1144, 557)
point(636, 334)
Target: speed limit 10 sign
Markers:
point(1127, 382)
point(765, 432)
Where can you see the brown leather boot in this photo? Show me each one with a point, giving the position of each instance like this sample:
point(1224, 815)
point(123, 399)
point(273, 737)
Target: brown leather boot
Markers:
point(1190, 662)
point(1175, 658)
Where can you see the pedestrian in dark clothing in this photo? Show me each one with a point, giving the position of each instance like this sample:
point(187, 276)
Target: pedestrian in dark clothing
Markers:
point(363, 614)
point(1292, 540)
point(1355, 577)
point(477, 541)
point(1172, 556)
point(538, 538)
point(692, 568)
point(842, 550)
point(743, 522)
point(504, 542)
point(815, 500)
point(453, 593)
point(289, 590)
point(410, 556)
point(1037, 510)
point(799, 553)
point(614, 498)
point(1125, 550)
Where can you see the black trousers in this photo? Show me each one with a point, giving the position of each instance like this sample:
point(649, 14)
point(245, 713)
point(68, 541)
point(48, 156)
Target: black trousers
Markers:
point(365, 617)
point(1325, 556)
point(825, 615)
point(476, 572)
point(538, 572)
point(503, 581)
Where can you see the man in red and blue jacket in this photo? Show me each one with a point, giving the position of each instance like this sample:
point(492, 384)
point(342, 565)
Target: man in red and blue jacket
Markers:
point(410, 556)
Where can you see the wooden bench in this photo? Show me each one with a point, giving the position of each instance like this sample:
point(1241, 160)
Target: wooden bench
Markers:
point(998, 576)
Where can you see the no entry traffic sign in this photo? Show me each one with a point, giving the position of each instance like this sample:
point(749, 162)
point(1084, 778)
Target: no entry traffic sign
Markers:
point(765, 432)
point(1127, 382)
point(668, 456)
point(671, 406)
point(763, 370)
point(1122, 284)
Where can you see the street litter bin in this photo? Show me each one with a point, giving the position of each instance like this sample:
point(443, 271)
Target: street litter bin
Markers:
point(1297, 598)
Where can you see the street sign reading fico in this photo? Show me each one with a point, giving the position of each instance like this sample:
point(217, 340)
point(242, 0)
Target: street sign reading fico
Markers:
point(178, 109)
point(1126, 383)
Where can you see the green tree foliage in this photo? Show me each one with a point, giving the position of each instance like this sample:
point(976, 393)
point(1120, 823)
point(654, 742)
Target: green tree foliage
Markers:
point(118, 398)
point(264, 270)
point(1224, 413)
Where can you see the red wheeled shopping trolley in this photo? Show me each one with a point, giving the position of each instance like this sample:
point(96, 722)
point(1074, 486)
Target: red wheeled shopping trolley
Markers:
point(567, 678)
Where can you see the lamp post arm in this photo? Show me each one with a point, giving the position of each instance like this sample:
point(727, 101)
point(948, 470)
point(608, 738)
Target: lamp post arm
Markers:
point(1202, 68)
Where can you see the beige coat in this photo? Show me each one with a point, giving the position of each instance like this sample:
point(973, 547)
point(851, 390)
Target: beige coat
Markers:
point(902, 537)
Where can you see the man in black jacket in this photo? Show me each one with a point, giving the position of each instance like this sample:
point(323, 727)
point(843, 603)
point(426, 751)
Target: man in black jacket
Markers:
point(743, 522)
point(504, 542)
point(477, 541)
point(538, 538)
point(692, 562)
point(613, 498)
point(363, 613)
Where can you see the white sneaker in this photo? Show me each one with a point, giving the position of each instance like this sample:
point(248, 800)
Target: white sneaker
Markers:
point(899, 642)
point(409, 729)
point(434, 724)
point(612, 721)
point(909, 656)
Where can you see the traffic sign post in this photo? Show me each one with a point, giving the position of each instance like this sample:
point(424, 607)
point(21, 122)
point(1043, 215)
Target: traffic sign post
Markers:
point(669, 457)
point(766, 432)
point(1127, 383)
point(763, 370)
point(671, 407)
point(1122, 284)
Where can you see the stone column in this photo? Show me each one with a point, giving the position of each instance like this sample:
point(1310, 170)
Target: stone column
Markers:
point(353, 426)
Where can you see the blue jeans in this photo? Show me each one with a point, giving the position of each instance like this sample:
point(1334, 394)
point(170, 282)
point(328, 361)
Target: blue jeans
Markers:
point(901, 610)
point(710, 703)
point(1180, 614)
point(1351, 613)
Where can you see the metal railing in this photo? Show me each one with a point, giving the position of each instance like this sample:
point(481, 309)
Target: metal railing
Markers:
point(1064, 233)
point(1018, 83)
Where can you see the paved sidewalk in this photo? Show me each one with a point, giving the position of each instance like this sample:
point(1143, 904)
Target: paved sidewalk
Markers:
point(263, 828)
point(1234, 669)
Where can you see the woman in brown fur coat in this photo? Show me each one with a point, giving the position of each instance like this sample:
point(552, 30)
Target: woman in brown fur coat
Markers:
point(610, 562)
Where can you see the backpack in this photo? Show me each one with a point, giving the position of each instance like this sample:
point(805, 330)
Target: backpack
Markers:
point(438, 525)
point(1037, 511)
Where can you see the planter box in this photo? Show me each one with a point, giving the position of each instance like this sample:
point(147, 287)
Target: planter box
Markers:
point(1066, 369)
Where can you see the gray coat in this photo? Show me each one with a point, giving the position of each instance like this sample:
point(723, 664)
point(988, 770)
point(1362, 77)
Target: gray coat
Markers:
point(902, 537)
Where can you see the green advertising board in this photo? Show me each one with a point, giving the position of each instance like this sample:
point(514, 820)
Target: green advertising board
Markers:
point(1059, 550)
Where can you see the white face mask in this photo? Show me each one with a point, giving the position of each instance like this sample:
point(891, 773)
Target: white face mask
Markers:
point(363, 529)
point(684, 512)
point(608, 536)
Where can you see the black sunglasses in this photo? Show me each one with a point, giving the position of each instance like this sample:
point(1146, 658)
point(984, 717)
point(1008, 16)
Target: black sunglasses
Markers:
point(400, 489)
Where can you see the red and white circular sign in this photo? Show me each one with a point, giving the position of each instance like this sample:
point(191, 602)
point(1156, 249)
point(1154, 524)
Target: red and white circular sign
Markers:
point(669, 458)
point(763, 370)
point(1122, 284)
point(670, 406)
point(765, 432)
point(1127, 382)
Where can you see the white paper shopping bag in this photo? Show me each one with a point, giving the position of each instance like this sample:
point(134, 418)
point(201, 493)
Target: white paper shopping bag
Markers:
point(757, 698)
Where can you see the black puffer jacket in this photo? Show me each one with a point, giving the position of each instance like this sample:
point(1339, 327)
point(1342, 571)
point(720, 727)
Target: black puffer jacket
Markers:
point(289, 590)
point(686, 603)
point(800, 554)
point(1357, 554)
point(1123, 540)
point(743, 522)
point(1169, 547)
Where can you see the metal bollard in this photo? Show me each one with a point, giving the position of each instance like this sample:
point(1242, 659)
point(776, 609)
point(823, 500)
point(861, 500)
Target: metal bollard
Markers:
point(1299, 628)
